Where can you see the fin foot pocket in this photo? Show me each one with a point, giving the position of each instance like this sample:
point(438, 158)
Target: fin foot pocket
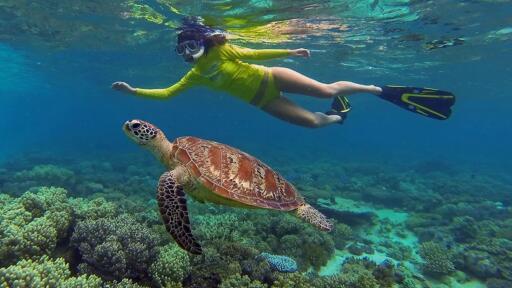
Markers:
point(340, 106)
point(428, 102)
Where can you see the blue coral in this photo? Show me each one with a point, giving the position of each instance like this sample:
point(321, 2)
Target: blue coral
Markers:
point(280, 263)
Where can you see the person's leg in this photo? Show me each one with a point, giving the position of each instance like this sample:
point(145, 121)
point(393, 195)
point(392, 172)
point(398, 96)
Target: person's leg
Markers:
point(288, 80)
point(286, 110)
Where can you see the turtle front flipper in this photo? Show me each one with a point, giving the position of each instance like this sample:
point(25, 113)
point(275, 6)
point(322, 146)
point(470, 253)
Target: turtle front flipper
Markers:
point(173, 208)
point(313, 216)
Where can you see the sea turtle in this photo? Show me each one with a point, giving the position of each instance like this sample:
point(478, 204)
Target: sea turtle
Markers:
point(217, 173)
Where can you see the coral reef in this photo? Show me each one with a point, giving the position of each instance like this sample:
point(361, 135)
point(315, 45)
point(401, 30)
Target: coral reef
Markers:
point(171, 266)
point(356, 275)
point(115, 247)
point(46, 236)
point(38, 176)
point(280, 263)
point(44, 272)
point(33, 224)
point(292, 280)
point(438, 259)
point(237, 280)
point(342, 234)
point(93, 209)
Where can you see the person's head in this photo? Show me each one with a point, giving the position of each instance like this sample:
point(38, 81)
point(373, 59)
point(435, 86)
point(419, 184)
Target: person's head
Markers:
point(196, 39)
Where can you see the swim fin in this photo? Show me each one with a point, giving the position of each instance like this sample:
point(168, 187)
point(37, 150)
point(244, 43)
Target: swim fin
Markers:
point(428, 102)
point(340, 106)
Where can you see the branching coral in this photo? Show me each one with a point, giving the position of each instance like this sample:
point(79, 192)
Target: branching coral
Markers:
point(171, 266)
point(488, 258)
point(32, 224)
point(238, 281)
point(363, 272)
point(48, 174)
point(464, 229)
point(92, 209)
point(267, 231)
point(355, 275)
point(292, 280)
point(118, 247)
point(342, 234)
point(397, 250)
point(437, 259)
point(44, 272)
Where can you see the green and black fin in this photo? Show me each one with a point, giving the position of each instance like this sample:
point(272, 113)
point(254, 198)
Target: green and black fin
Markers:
point(340, 106)
point(428, 102)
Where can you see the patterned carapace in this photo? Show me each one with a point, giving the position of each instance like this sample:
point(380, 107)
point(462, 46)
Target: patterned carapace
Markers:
point(233, 174)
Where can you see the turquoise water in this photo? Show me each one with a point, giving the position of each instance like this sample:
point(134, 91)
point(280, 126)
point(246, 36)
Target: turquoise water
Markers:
point(58, 61)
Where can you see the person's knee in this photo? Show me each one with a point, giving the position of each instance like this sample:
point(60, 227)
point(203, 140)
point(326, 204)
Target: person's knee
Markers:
point(313, 122)
point(328, 90)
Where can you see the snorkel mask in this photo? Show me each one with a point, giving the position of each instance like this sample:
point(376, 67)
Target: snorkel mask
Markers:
point(191, 50)
point(192, 37)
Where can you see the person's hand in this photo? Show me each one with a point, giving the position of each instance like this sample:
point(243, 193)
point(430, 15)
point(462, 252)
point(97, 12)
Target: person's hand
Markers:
point(123, 87)
point(301, 52)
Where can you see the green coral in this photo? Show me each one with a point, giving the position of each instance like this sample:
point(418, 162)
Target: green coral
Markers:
point(437, 259)
point(47, 174)
point(328, 282)
point(397, 250)
point(342, 234)
point(355, 275)
point(239, 281)
point(292, 280)
point(44, 272)
point(127, 283)
point(32, 224)
point(225, 227)
point(94, 209)
point(268, 231)
point(117, 247)
point(171, 266)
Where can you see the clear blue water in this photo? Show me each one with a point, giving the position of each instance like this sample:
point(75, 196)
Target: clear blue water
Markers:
point(58, 60)
point(58, 98)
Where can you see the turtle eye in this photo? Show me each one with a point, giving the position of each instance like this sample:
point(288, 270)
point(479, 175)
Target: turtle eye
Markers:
point(135, 125)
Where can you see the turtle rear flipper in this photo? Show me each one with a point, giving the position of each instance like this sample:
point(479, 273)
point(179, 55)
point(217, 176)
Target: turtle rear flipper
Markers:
point(309, 214)
point(173, 209)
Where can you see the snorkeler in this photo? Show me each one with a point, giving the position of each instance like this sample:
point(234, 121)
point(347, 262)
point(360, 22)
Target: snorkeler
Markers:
point(218, 65)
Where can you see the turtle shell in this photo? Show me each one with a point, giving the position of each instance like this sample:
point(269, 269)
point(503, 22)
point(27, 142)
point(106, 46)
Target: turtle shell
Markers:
point(233, 174)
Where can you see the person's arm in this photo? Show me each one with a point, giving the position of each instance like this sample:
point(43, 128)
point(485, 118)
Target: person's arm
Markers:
point(243, 53)
point(164, 93)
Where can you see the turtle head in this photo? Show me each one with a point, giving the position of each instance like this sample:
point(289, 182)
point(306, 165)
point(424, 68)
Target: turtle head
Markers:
point(150, 137)
point(142, 132)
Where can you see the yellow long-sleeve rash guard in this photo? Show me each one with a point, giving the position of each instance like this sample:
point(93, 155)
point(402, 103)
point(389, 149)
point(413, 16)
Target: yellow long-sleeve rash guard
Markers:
point(222, 69)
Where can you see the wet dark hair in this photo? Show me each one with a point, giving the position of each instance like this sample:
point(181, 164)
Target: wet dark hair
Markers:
point(193, 29)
